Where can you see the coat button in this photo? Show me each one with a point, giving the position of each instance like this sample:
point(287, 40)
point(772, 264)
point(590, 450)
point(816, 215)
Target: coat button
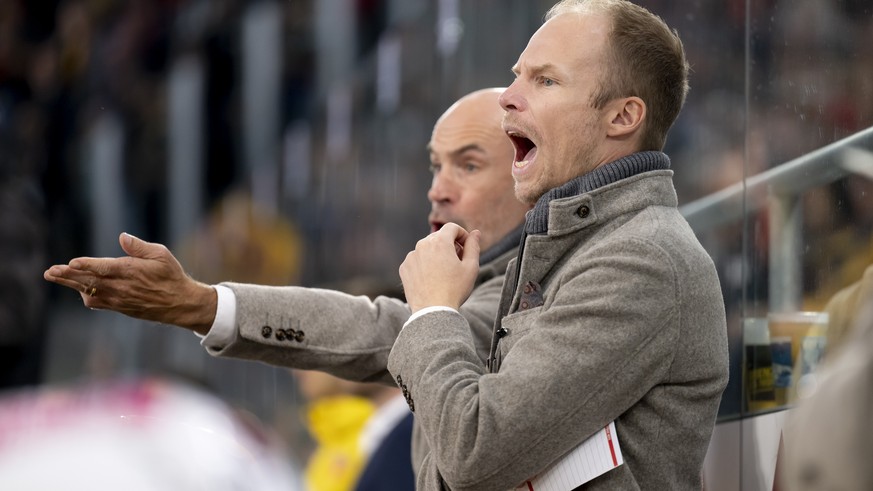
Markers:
point(502, 332)
point(298, 336)
point(266, 331)
point(280, 335)
point(583, 211)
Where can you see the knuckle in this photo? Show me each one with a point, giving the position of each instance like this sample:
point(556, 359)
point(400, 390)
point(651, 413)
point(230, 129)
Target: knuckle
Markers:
point(101, 269)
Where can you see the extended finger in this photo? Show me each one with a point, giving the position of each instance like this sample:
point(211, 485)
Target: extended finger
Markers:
point(67, 282)
point(67, 273)
point(103, 266)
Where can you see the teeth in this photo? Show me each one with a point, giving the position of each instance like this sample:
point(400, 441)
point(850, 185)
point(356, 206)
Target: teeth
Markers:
point(521, 164)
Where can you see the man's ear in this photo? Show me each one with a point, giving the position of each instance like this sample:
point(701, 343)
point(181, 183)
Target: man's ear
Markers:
point(626, 116)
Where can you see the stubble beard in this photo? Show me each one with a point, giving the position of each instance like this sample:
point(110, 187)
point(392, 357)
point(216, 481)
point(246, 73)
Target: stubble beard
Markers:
point(527, 197)
point(530, 192)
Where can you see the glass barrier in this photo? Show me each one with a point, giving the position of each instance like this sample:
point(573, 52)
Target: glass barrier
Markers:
point(797, 236)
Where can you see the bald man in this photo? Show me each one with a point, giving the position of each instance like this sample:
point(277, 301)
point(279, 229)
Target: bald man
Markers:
point(345, 335)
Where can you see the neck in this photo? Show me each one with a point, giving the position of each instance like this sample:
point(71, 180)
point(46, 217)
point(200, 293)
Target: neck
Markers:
point(506, 244)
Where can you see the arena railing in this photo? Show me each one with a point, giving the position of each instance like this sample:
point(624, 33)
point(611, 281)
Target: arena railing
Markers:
point(779, 190)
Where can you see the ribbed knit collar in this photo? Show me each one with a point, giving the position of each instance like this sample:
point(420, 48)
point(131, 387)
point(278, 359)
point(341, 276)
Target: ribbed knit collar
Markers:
point(537, 219)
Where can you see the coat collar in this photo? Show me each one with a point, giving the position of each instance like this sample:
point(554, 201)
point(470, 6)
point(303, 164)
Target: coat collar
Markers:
point(654, 188)
point(537, 219)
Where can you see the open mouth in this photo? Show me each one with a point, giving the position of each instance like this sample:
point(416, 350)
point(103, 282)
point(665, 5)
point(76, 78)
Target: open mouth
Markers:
point(525, 148)
point(435, 225)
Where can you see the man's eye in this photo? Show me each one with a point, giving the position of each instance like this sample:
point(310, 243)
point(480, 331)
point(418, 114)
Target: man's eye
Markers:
point(470, 167)
point(434, 168)
point(548, 82)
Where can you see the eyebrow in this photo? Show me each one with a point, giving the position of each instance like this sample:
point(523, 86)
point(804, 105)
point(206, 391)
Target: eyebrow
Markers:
point(466, 148)
point(460, 151)
point(537, 69)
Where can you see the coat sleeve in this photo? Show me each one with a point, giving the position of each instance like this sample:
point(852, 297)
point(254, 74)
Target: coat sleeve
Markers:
point(308, 328)
point(345, 335)
point(601, 340)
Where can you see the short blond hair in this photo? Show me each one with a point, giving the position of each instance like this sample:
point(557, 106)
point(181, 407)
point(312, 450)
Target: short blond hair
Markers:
point(645, 58)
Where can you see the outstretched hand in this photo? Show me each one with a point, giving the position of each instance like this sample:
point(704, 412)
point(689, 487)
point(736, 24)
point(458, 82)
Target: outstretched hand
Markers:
point(442, 269)
point(149, 283)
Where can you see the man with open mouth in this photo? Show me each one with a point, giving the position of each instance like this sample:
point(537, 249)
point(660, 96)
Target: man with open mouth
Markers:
point(611, 317)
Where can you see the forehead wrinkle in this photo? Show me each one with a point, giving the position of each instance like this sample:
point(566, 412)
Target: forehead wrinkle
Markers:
point(544, 67)
point(474, 147)
point(457, 152)
point(463, 136)
point(536, 69)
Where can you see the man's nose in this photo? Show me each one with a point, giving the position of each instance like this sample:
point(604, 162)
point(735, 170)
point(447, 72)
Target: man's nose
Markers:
point(511, 98)
point(442, 190)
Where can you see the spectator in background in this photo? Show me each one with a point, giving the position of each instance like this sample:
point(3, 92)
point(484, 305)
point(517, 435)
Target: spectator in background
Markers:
point(823, 450)
point(844, 309)
point(838, 223)
point(362, 433)
point(335, 414)
point(241, 240)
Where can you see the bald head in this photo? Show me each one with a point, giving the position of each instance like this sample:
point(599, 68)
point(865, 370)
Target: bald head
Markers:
point(481, 106)
point(471, 159)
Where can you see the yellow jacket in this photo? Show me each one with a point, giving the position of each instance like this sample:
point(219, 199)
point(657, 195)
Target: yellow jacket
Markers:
point(335, 424)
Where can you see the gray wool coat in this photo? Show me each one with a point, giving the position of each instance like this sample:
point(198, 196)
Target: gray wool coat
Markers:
point(618, 315)
point(346, 335)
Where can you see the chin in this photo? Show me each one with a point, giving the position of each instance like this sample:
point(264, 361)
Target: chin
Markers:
point(527, 196)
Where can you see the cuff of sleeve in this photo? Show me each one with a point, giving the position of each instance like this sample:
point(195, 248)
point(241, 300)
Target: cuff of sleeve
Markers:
point(223, 330)
point(427, 310)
